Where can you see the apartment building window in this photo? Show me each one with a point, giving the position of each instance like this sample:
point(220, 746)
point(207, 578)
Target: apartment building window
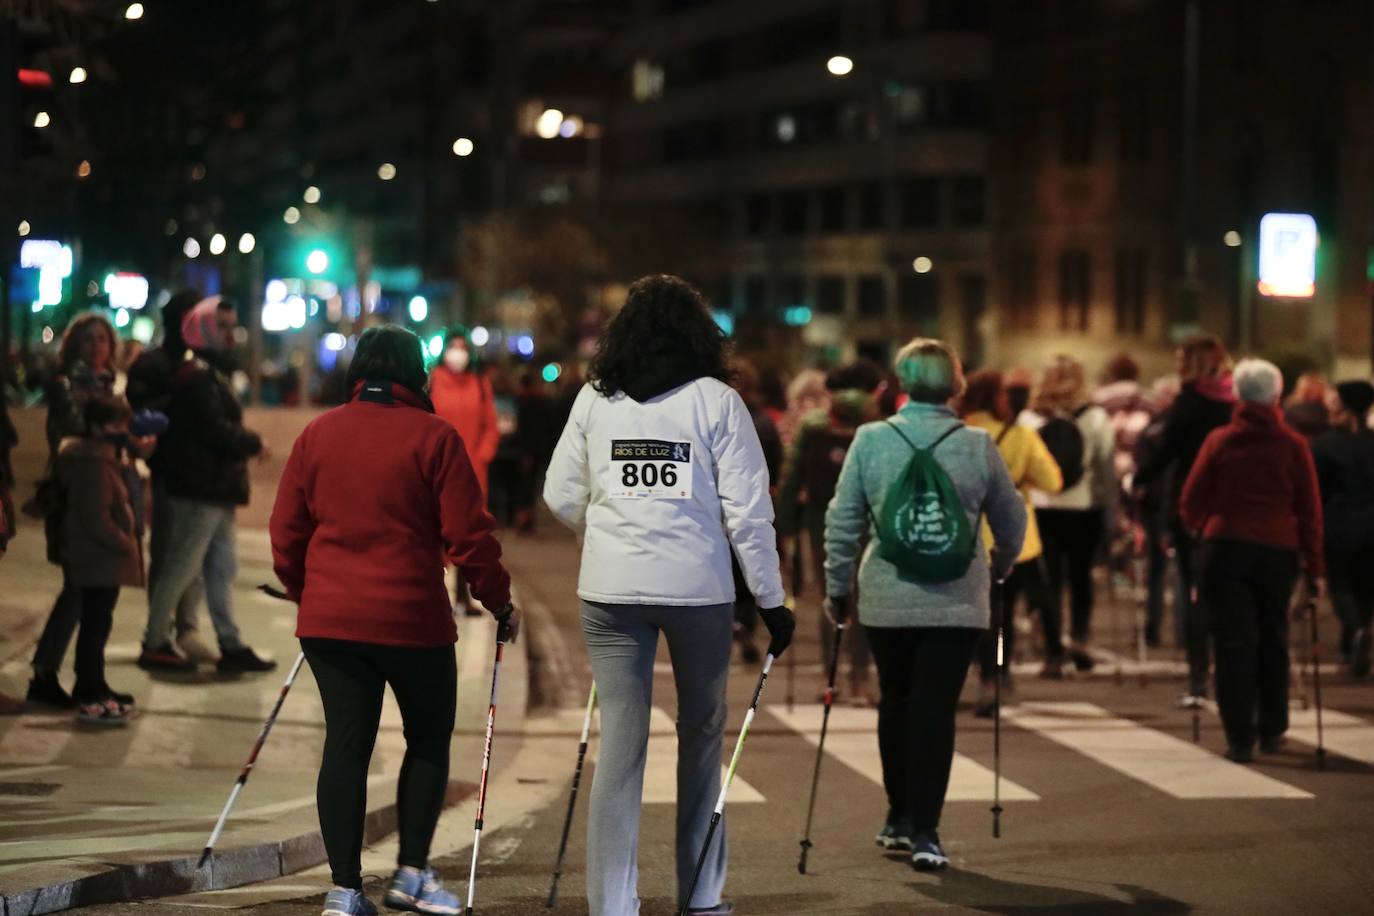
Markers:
point(872, 296)
point(1077, 129)
point(970, 201)
point(1133, 121)
point(920, 200)
point(1022, 291)
point(830, 294)
point(918, 298)
point(832, 210)
point(1075, 289)
point(870, 213)
point(1130, 290)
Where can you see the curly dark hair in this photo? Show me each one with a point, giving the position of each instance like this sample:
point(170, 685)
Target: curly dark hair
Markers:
point(664, 336)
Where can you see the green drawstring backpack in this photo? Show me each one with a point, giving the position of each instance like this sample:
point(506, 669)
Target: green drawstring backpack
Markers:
point(922, 527)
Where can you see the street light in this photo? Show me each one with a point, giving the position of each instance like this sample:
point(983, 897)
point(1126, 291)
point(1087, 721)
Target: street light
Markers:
point(419, 308)
point(217, 243)
point(839, 65)
point(317, 262)
point(191, 248)
point(134, 11)
point(549, 123)
point(1231, 238)
point(24, 228)
point(291, 216)
point(84, 169)
point(41, 120)
point(922, 265)
point(386, 171)
point(247, 243)
point(311, 195)
point(78, 75)
point(462, 147)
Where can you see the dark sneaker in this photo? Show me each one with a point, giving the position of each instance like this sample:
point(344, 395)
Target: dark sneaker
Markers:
point(896, 834)
point(926, 852)
point(1273, 745)
point(106, 712)
point(986, 706)
point(420, 892)
point(1082, 661)
point(724, 908)
point(164, 658)
point(1237, 754)
point(341, 902)
point(244, 659)
point(45, 690)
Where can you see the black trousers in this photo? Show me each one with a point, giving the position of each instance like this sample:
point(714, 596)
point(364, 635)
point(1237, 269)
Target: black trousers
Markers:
point(97, 617)
point(1246, 588)
point(1026, 578)
point(1351, 577)
point(1071, 538)
point(1194, 607)
point(352, 677)
point(920, 673)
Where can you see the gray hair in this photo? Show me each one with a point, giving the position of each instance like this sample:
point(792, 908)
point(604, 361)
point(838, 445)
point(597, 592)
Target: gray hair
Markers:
point(1258, 381)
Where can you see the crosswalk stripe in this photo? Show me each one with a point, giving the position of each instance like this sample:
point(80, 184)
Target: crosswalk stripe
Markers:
point(1341, 733)
point(1171, 765)
point(660, 767)
point(853, 740)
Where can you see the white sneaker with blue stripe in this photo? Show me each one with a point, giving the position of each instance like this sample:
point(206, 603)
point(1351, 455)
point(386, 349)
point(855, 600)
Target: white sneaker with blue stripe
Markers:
point(344, 902)
point(420, 892)
point(926, 853)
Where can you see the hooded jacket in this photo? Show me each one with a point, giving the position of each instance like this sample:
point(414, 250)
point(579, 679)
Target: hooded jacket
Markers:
point(204, 453)
point(99, 543)
point(376, 496)
point(1254, 481)
point(663, 483)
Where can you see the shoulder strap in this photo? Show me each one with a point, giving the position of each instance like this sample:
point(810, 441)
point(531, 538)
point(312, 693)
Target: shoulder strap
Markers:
point(931, 447)
point(1006, 428)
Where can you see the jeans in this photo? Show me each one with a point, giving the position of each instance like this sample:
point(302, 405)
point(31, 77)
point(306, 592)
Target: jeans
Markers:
point(352, 677)
point(58, 631)
point(1029, 578)
point(920, 672)
point(1246, 587)
point(160, 540)
point(202, 544)
point(1071, 538)
point(622, 640)
point(97, 616)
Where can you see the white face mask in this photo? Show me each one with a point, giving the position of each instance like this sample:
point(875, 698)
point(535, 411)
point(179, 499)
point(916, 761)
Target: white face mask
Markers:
point(456, 359)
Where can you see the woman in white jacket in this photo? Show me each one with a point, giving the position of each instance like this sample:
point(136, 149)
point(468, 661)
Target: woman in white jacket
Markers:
point(660, 469)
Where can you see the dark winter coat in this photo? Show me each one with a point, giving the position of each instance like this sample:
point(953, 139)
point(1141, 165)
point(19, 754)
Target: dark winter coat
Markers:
point(1345, 470)
point(1186, 426)
point(204, 453)
point(99, 546)
point(67, 398)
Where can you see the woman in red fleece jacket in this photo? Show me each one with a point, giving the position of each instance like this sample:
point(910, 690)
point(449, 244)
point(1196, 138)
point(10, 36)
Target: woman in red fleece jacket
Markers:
point(1252, 496)
point(376, 496)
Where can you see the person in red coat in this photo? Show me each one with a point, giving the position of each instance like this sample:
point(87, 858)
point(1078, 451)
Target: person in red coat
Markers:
point(1252, 496)
point(376, 496)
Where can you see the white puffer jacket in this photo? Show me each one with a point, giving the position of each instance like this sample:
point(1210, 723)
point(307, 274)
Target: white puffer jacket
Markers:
point(661, 490)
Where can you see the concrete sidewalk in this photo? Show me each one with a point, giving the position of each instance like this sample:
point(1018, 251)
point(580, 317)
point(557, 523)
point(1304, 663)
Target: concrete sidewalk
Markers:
point(93, 815)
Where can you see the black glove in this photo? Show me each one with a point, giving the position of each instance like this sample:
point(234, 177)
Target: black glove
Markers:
point(507, 624)
point(780, 624)
point(838, 610)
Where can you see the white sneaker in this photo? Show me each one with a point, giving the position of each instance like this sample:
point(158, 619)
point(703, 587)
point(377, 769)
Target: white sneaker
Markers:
point(1192, 701)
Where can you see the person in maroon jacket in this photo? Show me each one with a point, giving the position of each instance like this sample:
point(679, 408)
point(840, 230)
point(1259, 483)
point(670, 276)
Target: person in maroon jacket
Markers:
point(1252, 496)
point(375, 497)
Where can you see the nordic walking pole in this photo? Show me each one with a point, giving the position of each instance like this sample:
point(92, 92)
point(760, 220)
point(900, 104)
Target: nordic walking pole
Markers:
point(820, 748)
point(791, 604)
point(997, 718)
point(503, 636)
point(1317, 679)
point(572, 799)
point(729, 778)
point(257, 745)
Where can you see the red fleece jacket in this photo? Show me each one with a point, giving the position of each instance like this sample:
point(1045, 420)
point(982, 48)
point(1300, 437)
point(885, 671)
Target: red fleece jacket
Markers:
point(1255, 480)
point(376, 495)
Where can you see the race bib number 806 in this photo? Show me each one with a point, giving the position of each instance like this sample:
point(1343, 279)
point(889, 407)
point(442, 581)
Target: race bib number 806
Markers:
point(650, 469)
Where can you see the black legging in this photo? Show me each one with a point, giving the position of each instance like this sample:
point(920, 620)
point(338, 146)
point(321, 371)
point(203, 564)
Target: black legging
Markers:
point(97, 617)
point(352, 677)
point(920, 673)
point(1025, 577)
point(1071, 538)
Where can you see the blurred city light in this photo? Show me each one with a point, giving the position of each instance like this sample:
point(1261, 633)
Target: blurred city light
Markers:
point(170, 227)
point(725, 321)
point(436, 345)
point(126, 290)
point(143, 329)
point(922, 265)
point(190, 248)
point(54, 262)
point(295, 312)
point(218, 243)
point(121, 318)
point(335, 341)
point(247, 243)
point(47, 334)
point(418, 308)
point(797, 315)
point(462, 147)
point(549, 123)
point(785, 128)
point(1231, 238)
point(1288, 255)
point(24, 228)
point(78, 75)
point(291, 216)
point(42, 119)
point(839, 65)
point(551, 372)
point(134, 11)
point(572, 126)
point(386, 171)
point(198, 171)
point(317, 261)
point(84, 169)
point(480, 336)
point(311, 195)
point(524, 345)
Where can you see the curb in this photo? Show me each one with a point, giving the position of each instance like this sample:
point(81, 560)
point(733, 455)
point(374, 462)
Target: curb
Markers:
point(231, 868)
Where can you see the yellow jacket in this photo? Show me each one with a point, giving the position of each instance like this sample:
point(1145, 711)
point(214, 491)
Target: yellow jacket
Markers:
point(1031, 466)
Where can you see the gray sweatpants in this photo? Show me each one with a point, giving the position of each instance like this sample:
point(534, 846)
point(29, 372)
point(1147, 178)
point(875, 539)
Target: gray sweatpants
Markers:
point(622, 640)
